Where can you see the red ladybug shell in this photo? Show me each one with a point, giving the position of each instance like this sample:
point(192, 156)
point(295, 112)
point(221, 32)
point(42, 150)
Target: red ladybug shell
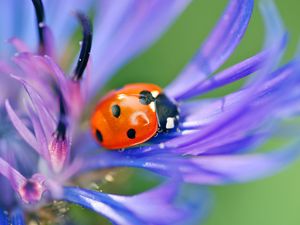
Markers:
point(121, 119)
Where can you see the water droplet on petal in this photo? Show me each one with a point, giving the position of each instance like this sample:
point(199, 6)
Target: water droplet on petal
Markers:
point(41, 24)
point(162, 145)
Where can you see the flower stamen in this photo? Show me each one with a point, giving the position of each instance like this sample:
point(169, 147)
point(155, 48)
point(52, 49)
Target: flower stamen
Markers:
point(59, 146)
point(40, 15)
point(62, 123)
point(85, 46)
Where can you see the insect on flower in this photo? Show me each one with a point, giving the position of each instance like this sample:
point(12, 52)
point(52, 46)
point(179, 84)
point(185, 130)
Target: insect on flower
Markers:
point(133, 115)
point(199, 141)
point(211, 136)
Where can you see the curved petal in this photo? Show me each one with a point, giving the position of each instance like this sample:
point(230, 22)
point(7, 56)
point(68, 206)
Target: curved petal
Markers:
point(226, 169)
point(156, 163)
point(21, 127)
point(15, 178)
point(213, 170)
point(139, 209)
point(206, 111)
point(230, 75)
point(19, 45)
point(216, 49)
point(125, 29)
point(264, 108)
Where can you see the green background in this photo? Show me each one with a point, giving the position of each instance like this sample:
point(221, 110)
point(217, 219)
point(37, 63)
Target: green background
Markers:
point(272, 201)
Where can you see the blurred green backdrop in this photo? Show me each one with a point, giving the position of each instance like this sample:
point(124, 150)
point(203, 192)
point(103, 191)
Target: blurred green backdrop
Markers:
point(273, 201)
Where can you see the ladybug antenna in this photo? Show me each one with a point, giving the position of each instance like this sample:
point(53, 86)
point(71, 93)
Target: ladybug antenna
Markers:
point(40, 15)
point(61, 129)
point(86, 45)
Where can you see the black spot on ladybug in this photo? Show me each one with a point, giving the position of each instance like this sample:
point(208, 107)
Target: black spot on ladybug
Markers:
point(131, 133)
point(99, 135)
point(146, 97)
point(116, 110)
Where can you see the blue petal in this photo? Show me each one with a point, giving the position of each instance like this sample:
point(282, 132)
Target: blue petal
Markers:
point(216, 49)
point(3, 218)
point(17, 217)
point(102, 204)
point(156, 163)
point(204, 169)
point(143, 208)
point(230, 75)
point(226, 169)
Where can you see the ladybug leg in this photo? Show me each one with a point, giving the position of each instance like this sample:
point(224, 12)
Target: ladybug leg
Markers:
point(167, 113)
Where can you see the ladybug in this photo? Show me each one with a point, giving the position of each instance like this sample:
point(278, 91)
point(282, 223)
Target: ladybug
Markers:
point(132, 115)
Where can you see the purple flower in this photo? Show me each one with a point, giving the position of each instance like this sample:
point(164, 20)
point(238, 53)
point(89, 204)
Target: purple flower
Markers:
point(213, 134)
